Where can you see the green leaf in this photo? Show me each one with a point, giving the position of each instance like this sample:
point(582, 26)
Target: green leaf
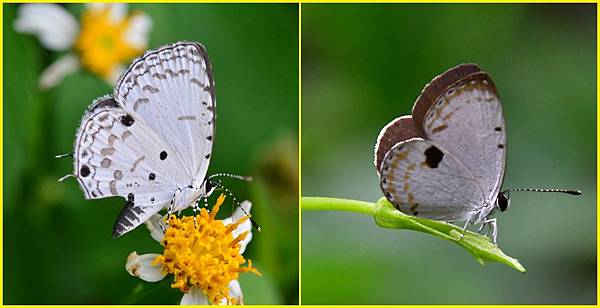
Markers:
point(386, 216)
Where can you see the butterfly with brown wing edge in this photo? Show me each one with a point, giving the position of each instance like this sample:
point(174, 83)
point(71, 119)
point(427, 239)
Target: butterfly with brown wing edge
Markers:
point(447, 160)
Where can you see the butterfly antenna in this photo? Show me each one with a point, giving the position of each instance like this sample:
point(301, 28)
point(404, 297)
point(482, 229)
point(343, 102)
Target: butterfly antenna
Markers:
point(230, 175)
point(64, 155)
point(61, 156)
point(218, 184)
point(66, 177)
point(566, 191)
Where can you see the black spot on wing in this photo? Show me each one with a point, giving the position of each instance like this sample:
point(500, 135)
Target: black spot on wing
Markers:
point(433, 157)
point(151, 176)
point(127, 120)
point(163, 155)
point(84, 171)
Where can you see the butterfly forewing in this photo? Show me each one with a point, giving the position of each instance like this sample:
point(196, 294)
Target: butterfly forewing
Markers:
point(172, 90)
point(466, 119)
point(436, 87)
point(406, 127)
point(422, 179)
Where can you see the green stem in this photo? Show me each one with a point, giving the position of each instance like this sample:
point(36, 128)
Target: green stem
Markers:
point(336, 204)
point(386, 216)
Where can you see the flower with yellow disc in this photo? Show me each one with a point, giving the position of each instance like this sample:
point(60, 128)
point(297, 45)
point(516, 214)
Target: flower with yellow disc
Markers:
point(105, 38)
point(204, 255)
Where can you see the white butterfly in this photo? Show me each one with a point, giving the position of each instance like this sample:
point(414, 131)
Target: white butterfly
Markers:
point(151, 140)
point(447, 161)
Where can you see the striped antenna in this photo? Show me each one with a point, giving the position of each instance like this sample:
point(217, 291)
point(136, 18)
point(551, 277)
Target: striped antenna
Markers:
point(230, 175)
point(566, 191)
point(218, 184)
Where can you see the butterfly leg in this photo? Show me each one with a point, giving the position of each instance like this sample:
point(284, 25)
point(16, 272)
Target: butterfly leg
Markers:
point(464, 230)
point(171, 205)
point(493, 226)
point(196, 208)
point(163, 222)
point(487, 226)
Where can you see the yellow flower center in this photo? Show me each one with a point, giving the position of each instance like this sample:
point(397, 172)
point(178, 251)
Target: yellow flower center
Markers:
point(205, 254)
point(102, 43)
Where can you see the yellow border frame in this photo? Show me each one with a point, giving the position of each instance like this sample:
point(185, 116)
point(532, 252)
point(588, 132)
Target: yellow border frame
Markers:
point(299, 152)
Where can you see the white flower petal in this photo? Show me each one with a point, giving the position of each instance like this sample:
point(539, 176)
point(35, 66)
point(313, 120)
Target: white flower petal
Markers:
point(115, 74)
point(156, 225)
point(54, 26)
point(57, 71)
point(245, 226)
point(138, 32)
point(141, 266)
point(96, 6)
point(241, 211)
point(235, 291)
point(118, 11)
point(194, 297)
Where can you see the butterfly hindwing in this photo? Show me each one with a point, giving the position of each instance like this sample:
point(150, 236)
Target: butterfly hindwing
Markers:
point(172, 90)
point(110, 159)
point(400, 129)
point(422, 179)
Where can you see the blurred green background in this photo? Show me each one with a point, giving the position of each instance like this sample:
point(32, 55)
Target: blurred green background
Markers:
point(364, 65)
point(58, 248)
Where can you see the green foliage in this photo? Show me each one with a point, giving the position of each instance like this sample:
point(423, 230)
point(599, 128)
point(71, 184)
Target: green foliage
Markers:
point(386, 216)
point(477, 245)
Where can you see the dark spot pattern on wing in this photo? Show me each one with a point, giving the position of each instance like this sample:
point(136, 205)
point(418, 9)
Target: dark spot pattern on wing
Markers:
point(433, 157)
point(127, 120)
point(84, 171)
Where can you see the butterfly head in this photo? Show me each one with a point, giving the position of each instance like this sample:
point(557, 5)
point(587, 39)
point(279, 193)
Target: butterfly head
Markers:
point(209, 187)
point(503, 201)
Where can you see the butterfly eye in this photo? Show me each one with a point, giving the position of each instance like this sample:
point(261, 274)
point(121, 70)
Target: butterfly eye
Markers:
point(209, 187)
point(502, 202)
